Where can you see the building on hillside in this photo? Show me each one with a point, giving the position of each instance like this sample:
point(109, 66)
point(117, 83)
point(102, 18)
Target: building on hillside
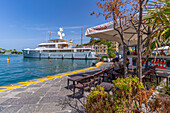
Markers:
point(7, 53)
point(101, 49)
point(116, 46)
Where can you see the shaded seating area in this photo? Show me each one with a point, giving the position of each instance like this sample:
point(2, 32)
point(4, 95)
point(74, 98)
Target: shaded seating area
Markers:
point(152, 76)
point(103, 78)
point(86, 81)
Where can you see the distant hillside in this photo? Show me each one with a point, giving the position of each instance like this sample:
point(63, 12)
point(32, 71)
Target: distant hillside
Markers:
point(14, 51)
point(110, 45)
point(96, 42)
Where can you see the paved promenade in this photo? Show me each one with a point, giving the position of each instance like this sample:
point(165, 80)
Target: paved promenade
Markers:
point(48, 96)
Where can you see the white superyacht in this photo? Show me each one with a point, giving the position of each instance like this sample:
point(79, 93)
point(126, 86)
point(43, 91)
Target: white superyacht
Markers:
point(59, 49)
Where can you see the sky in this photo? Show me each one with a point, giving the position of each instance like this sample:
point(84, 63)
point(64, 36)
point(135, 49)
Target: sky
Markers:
point(25, 23)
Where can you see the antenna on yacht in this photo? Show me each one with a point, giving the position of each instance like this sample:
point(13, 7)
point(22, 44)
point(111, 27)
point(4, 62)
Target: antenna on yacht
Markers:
point(60, 33)
point(49, 36)
point(81, 36)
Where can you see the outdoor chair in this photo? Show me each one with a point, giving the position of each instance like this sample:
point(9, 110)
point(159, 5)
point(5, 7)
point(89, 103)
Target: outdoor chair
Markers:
point(160, 76)
point(104, 76)
point(98, 78)
point(145, 76)
point(107, 75)
point(151, 76)
point(120, 72)
point(153, 68)
point(107, 86)
point(83, 84)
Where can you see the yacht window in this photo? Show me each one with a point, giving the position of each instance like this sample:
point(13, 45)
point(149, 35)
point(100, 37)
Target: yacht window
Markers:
point(63, 46)
point(79, 50)
point(50, 51)
point(66, 50)
point(47, 46)
point(87, 50)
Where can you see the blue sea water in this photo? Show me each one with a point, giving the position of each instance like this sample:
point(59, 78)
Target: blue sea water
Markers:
point(21, 69)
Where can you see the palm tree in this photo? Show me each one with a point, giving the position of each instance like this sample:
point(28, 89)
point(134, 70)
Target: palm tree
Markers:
point(157, 21)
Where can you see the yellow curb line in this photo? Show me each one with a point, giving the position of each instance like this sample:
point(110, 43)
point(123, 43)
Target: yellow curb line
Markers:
point(5, 88)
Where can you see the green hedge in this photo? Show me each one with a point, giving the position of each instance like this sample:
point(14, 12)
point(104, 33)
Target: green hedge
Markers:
point(104, 56)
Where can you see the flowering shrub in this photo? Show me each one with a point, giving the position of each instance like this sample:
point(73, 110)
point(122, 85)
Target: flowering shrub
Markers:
point(164, 97)
point(128, 96)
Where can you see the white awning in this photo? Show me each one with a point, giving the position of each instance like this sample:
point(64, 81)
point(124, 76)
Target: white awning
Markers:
point(162, 48)
point(107, 32)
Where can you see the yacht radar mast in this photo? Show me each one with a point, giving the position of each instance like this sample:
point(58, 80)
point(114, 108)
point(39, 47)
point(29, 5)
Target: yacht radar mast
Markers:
point(60, 33)
point(49, 36)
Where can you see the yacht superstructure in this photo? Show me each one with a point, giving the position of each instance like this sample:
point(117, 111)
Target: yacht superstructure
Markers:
point(59, 48)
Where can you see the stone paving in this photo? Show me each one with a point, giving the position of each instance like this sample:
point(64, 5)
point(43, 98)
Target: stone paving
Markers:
point(50, 96)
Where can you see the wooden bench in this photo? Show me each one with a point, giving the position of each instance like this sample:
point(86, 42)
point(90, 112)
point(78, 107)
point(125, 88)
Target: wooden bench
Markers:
point(86, 82)
point(83, 84)
point(160, 76)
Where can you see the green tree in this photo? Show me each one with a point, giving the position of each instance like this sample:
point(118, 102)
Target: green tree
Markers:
point(14, 51)
point(159, 18)
point(116, 10)
point(111, 50)
point(3, 50)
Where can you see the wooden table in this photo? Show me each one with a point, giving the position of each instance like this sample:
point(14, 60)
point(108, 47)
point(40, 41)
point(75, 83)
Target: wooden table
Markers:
point(74, 79)
point(107, 86)
point(160, 76)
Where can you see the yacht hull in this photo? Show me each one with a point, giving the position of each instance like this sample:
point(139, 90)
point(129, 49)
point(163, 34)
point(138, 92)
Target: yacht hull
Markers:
point(59, 55)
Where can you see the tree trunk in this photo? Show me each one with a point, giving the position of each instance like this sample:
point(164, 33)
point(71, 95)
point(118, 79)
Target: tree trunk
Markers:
point(147, 57)
point(146, 65)
point(124, 59)
point(139, 42)
point(147, 43)
point(121, 33)
point(139, 58)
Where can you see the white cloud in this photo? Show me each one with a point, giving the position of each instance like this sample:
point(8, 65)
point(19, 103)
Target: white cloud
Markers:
point(37, 28)
point(73, 27)
point(74, 32)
